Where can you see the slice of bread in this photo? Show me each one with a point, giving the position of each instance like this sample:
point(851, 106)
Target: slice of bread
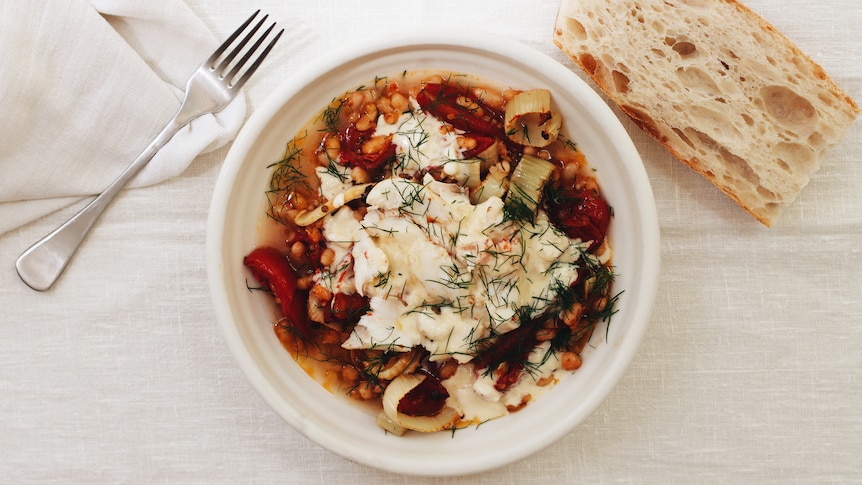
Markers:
point(718, 86)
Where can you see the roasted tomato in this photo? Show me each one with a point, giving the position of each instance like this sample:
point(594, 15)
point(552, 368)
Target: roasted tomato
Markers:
point(309, 261)
point(426, 399)
point(441, 100)
point(482, 144)
point(352, 140)
point(347, 308)
point(507, 355)
point(272, 270)
point(583, 215)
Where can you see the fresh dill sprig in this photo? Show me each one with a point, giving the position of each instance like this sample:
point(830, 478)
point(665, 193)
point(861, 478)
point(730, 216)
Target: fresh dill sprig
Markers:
point(332, 114)
point(453, 238)
point(454, 278)
point(570, 144)
point(412, 194)
point(431, 309)
point(336, 170)
point(286, 178)
point(553, 195)
point(520, 207)
point(382, 279)
point(286, 172)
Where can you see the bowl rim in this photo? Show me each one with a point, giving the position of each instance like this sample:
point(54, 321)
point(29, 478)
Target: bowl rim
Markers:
point(480, 42)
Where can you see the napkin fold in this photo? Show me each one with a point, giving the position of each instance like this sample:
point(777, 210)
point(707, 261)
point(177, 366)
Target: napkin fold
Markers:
point(84, 87)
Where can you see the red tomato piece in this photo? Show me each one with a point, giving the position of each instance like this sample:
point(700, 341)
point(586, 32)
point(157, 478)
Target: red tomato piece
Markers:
point(584, 215)
point(482, 144)
point(509, 353)
point(426, 399)
point(347, 308)
point(441, 101)
point(272, 270)
point(352, 140)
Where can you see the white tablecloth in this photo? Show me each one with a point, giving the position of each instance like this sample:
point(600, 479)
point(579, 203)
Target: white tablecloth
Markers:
point(751, 371)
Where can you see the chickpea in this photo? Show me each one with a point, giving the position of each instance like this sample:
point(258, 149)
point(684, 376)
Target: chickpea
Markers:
point(466, 143)
point(327, 257)
point(298, 201)
point(314, 234)
point(491, 99)
point(587, 183)
point(369, 110)
point(570, 172)
point(364, 124)
point(290, 235)
point(305, 282)
point(359, 175)
point(469, 104)
point(391, 87)
point(357, 99)
point(570, 361)
point(297, 250)
point(367, 390)
point(349, 375)
point(332, 147)
point(280, 212)
point(375, 144)
point(544, 381)
point(572, 316)
point(510, 93)
point(368, 119)
point(400, 102)
point(384, 105)
point(434, 79)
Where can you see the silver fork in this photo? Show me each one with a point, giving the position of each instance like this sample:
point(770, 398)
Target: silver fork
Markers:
point(209, 90)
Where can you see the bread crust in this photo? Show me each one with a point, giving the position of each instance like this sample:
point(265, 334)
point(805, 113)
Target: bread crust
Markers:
point(718, 86)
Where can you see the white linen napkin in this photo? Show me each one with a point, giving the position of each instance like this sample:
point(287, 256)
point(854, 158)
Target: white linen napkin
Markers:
point(84, 88)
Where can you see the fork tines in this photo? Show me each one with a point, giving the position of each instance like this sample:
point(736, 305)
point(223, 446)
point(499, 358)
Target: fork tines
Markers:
point(220, 65)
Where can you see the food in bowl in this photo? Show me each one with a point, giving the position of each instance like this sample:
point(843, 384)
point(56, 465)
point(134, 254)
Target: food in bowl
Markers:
point(436, 246)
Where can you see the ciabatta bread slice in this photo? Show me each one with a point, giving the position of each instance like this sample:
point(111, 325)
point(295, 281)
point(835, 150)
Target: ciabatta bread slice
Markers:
point(718, 86)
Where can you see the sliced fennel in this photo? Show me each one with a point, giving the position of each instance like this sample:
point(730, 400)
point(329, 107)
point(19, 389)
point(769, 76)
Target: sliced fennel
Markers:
point(529, 119)
point(527, 182)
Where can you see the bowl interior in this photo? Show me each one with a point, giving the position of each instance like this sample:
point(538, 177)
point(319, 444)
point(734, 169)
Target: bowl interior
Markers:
point(347, 428)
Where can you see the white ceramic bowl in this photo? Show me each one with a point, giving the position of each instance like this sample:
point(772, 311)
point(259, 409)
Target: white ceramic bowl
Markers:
point(348, 429)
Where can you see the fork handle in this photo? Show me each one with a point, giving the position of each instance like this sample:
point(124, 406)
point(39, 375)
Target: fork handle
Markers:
point(44, 262)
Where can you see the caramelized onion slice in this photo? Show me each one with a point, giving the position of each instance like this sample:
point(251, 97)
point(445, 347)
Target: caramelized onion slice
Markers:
point(306, 217)
point(529, 119)
point(405, 362)
point(391, 426)
point(446, 419)
point(397, 389)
